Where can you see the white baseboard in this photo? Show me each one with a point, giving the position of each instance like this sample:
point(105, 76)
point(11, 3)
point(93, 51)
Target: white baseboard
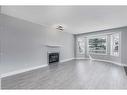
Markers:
point(33, 68)
point(29, 69)
point(120, 64)
point(21, 71)
point(66, 60)
point(109, 61)
point(83, 58)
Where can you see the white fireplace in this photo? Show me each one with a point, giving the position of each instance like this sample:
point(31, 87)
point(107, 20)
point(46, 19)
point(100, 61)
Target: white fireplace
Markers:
point(53, 53)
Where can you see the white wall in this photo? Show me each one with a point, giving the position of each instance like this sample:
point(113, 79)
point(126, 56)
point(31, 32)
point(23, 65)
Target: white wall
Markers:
point(22, 44)
point(0, 9)
point(124, 47)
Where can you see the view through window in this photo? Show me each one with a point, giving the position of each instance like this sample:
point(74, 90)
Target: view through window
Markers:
point(115, 44)
point(81, 45)
point(97, 44)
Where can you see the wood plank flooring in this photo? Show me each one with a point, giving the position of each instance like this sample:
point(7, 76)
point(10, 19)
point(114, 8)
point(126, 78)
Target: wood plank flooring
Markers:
point(75, 74)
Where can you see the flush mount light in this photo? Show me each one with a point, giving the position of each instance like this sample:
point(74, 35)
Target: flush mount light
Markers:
point(60, 28)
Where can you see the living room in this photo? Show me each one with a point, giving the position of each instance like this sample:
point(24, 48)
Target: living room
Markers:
point(84, 45)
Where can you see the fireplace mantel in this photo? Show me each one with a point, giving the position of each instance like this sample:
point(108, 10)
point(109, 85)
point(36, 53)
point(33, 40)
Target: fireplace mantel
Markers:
point(53, 46)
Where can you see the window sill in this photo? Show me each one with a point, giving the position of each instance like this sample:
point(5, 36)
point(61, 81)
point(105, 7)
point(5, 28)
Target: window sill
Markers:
point(98, 53)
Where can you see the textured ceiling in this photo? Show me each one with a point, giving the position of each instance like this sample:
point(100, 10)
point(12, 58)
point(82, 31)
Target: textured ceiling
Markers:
point(74, 19)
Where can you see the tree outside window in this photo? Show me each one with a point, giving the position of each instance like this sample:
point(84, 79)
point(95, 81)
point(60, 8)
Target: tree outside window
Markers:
point(81, 45)
point(115, 44)
point(97, 44)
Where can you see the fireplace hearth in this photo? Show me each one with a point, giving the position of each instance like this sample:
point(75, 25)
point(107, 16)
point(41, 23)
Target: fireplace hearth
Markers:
point(53, 57)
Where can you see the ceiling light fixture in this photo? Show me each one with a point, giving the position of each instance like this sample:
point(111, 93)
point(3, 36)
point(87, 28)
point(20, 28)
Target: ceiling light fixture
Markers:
point(60, 28)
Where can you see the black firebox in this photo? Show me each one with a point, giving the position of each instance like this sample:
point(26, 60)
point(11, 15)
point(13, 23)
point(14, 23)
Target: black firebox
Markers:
point(53, 57)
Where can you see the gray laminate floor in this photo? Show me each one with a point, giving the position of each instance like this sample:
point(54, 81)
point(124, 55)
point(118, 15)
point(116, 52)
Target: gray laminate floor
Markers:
point(75, 74)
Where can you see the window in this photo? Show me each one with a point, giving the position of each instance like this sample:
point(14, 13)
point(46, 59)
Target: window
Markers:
point(115, 44)
point(97, 44)
point(81, 45)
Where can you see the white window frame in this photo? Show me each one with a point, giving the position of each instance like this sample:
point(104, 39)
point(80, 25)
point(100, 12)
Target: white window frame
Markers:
point(97, 36)
point(111, 45)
